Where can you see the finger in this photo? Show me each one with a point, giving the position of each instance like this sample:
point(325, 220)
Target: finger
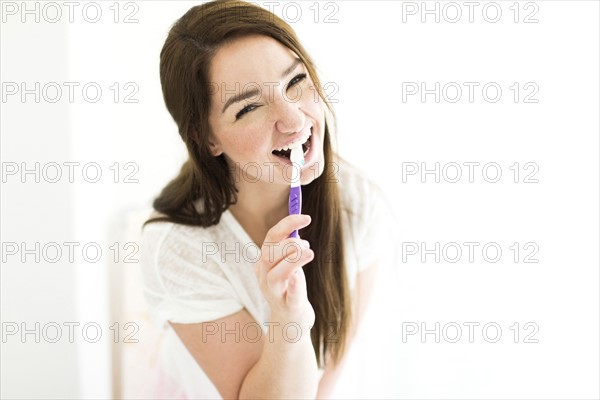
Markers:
point(278, 276)
point(286, 226)
point(273, 253)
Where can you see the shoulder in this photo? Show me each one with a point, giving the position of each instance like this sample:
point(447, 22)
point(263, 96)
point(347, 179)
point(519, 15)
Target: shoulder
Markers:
point(161, 236)
point(369, 217)
point(170, 250)
point(182, 280)
point(360, 195)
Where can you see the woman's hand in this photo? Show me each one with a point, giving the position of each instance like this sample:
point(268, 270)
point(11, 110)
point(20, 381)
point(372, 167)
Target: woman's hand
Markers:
point(280, 275)
point(278, 365)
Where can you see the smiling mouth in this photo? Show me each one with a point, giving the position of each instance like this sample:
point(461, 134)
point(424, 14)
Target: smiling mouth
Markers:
point(287, 151)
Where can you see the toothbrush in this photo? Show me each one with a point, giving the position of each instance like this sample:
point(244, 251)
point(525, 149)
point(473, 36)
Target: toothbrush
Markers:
point(295, 201)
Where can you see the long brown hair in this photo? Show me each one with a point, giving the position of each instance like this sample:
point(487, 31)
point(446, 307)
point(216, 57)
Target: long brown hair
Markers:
point(184, 64)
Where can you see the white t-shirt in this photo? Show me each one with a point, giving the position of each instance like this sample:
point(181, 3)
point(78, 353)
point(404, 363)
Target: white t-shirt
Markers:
point(195, 274)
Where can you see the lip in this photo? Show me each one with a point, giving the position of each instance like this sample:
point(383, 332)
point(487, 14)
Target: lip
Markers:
point(295, 140)
point(307, 157)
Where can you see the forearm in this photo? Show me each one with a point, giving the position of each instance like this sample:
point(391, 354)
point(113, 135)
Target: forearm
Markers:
point(285, 369)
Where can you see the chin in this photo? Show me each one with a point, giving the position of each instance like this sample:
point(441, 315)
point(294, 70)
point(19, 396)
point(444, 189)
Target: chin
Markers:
point(312, 171)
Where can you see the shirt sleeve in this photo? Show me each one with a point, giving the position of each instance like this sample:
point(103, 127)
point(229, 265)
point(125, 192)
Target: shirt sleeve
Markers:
point(181, 284)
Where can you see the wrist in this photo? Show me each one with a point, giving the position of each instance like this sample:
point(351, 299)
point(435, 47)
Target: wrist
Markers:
point(285, 330)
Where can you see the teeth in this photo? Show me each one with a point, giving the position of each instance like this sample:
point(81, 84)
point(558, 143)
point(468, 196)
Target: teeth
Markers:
point(302, 140)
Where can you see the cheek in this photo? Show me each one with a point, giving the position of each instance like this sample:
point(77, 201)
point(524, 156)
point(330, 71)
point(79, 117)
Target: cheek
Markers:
point(248, 146)
point(241, 149)
point(316, 111)
point(312, 99)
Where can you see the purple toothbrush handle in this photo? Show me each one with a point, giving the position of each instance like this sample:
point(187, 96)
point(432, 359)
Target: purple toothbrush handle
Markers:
point(295, 205)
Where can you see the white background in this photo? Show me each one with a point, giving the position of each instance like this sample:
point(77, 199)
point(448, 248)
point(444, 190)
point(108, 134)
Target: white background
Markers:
point(368, 52)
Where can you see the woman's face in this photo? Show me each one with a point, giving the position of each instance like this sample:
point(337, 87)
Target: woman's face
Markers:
point(262, 100)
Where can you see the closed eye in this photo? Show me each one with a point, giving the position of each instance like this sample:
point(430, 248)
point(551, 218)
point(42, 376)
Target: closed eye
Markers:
point(245, 110)
point(298, 78)
point(250, 107)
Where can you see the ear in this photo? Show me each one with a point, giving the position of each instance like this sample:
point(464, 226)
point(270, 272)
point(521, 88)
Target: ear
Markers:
point(214, 146)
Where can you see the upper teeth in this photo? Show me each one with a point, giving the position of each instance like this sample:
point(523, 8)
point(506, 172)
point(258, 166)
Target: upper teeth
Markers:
point(298, 142)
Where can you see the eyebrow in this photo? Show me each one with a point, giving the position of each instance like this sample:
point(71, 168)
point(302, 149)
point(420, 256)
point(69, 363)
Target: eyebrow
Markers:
point(253, 92)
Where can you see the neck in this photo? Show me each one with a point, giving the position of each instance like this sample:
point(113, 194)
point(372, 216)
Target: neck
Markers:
point(260, 205)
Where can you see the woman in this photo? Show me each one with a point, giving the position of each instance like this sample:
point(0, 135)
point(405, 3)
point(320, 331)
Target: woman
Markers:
point(256, 314)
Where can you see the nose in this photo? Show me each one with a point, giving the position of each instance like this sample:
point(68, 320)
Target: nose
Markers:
point(290, 118)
